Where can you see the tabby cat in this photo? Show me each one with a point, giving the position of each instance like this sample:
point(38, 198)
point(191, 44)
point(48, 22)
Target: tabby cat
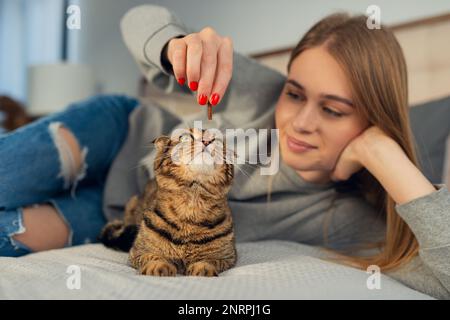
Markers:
point(181, 223)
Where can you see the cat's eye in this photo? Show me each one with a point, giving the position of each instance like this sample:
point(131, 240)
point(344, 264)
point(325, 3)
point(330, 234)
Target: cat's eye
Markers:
point(186, 137)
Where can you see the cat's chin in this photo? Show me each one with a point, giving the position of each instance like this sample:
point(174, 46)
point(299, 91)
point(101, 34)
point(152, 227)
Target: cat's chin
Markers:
point(201, 169)
point(202, 164)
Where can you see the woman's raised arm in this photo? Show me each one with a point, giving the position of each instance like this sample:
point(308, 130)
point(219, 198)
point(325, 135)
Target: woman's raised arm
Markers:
point(251, 93)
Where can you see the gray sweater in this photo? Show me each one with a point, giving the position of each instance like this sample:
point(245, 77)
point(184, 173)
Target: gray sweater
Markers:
point(298, 211)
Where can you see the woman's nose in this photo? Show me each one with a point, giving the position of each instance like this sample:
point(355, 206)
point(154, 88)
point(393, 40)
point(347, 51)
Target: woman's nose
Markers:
point(306, 119)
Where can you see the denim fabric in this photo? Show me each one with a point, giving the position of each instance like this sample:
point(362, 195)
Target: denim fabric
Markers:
point(30, 168)
point(11, 223)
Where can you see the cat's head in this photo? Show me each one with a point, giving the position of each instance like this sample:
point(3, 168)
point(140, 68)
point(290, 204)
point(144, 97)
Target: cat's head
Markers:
point(195, 155)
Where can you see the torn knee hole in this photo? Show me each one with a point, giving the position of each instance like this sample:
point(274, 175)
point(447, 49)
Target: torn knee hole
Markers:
point(44, 228)
point(72, 158)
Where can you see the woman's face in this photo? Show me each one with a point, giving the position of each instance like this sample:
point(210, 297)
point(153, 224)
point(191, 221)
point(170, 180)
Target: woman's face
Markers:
point(315, 107)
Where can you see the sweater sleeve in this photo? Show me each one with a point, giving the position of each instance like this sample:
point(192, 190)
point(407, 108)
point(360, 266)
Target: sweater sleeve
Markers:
point(251, 93)
point(429, 219)
point(146, 29)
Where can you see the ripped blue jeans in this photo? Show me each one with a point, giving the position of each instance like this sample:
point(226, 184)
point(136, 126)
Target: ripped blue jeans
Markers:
point(36, 167)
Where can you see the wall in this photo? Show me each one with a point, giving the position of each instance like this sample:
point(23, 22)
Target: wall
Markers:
point(254, 25)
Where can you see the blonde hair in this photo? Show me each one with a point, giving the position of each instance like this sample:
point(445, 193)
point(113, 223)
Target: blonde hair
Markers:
point(375, 66)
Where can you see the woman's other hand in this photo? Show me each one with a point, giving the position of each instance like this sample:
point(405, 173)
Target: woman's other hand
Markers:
point(387, 162)
point(352, 157)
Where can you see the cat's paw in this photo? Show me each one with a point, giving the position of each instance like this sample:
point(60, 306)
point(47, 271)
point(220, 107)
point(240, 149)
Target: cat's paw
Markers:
point(159, 269)
point(202, 269)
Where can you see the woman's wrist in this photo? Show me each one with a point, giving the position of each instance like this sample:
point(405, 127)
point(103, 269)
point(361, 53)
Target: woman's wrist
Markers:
point(369, 150)
point(389, 164)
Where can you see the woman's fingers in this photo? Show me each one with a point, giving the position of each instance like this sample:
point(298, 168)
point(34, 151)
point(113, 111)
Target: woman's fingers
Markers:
point(224, 71)
point(207, 70)
point(177, 49)
point(205, 61)
point(193, 60)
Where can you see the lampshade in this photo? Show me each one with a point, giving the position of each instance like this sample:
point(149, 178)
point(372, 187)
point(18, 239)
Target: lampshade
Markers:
point(52, 87)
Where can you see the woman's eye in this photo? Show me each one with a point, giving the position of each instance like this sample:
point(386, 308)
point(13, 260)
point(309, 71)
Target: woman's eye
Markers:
point(333, 113)
point(186, 138)
point(301, 97)
point(295, 96)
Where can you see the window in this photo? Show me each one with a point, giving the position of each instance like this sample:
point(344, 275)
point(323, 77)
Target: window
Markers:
point(31, 32)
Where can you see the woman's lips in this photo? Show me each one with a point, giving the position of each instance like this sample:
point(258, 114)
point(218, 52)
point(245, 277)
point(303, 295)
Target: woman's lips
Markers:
point(298, 146)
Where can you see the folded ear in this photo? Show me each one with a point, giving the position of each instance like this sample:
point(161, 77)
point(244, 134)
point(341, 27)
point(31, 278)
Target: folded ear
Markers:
point(161, 142)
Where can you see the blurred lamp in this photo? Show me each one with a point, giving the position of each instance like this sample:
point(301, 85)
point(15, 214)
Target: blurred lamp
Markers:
point(52, 87)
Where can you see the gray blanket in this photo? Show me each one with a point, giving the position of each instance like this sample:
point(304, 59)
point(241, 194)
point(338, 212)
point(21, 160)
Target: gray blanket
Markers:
point(265, 270)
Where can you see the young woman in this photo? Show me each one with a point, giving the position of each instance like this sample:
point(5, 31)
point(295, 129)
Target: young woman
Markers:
point(348, 179)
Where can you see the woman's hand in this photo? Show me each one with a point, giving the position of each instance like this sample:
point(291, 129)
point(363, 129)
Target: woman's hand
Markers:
point(351, 159)
point(206, 60)
point(383, 157)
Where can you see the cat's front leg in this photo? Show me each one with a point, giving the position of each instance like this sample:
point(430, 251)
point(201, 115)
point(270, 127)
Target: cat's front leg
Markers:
point(153, 265)
point(225, 264)
point(210, 268)
point(202, 269)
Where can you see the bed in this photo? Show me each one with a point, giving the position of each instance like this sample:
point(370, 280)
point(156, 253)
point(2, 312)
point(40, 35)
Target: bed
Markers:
point(265, 270)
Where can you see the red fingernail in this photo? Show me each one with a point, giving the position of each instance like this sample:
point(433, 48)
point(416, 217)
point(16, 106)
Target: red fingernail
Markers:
point(182, 81)
point(215, 99)
point(193, 85)
point(203, 99)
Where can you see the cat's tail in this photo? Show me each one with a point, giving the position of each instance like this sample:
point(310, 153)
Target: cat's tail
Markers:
point(118, 236)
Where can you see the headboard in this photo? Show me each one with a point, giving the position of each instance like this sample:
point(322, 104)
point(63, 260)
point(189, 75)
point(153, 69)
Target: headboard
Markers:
point(426, 45)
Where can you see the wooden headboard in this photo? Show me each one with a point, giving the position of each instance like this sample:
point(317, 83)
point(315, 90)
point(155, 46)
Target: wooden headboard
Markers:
point(426, 45)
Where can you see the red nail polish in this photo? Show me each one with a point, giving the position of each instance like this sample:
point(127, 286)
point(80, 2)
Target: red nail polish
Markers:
point(203, 99)
point(193, 85)
point(182, 81)
point(215, 99)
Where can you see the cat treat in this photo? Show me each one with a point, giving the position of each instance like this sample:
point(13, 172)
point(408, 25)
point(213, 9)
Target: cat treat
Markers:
point(210, 111)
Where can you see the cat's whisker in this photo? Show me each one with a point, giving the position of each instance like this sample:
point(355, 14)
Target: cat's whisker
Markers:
point(164, 156)
point(252, 164)
point(245, 162)
point(243, 171)
point(237, 167)
point(138, 166)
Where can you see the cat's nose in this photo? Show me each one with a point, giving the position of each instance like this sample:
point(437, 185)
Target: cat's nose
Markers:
point(207, 142)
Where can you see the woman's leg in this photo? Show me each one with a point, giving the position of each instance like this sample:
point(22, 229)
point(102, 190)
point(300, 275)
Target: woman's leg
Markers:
point(58, 222)
point(38, 161)
point(44, 228)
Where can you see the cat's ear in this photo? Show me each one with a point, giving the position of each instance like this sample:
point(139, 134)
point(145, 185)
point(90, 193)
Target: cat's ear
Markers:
point(161, 142)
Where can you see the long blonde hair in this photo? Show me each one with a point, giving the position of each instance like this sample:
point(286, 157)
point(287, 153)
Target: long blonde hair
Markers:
point(375, 66)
